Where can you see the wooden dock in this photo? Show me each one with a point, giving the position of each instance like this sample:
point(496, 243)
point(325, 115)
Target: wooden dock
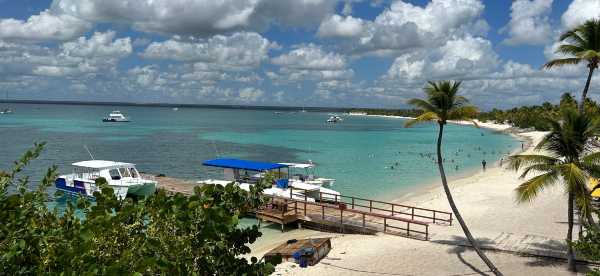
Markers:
point(343, 214)
point(347, 214)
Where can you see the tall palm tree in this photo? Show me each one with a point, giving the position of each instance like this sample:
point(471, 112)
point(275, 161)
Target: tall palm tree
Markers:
point(566, 160)
point(582, 44)
point(442, 104)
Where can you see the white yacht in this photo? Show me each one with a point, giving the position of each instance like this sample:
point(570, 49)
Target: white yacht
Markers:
point(306, 172)
point(124, 178)
point(334, 119)
point(116, 117)
point(237, 171)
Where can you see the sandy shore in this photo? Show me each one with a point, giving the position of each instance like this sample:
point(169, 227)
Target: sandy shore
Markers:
point(487, 202)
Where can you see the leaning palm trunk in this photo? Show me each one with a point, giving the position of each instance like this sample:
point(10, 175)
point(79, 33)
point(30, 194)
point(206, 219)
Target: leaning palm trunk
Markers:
point(585, 89)
point(570, 253)
point(462, 223)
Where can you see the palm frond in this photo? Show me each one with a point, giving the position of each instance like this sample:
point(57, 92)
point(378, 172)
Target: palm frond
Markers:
point(592, 158)
point(569, 49)
point(425, 117)
point(588, 55)
point(561, 62)
point(423, 105)
point(516, 162)
point(529, 189)
point(538, 168)
point(463, 113)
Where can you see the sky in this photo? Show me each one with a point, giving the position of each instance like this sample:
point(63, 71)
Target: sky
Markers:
point(346, 53)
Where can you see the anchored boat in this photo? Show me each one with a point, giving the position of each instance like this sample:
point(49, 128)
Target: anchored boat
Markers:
point(116, 117)
point(245, 173)
point(124, 178)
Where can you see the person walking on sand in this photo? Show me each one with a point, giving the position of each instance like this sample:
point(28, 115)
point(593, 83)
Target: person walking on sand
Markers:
point(483, 163)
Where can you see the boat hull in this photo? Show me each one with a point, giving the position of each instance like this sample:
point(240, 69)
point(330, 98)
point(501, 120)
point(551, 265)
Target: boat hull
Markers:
point(142, 190)
point(107, 120)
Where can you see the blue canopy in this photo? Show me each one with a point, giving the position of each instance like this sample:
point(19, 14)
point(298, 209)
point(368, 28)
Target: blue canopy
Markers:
point(243, 164)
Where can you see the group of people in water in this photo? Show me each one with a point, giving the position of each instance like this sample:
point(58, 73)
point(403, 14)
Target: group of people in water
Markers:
point(431, 156)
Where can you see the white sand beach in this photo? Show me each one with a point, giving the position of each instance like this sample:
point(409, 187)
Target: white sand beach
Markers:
point(487, 202)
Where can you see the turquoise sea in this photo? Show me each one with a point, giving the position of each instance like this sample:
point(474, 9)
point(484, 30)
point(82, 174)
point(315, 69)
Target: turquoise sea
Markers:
point(369, 156)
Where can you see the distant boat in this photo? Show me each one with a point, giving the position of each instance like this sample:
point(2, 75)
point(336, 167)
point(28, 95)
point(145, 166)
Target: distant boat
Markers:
point(116, 117)
point(334, 119)
point(175, 108)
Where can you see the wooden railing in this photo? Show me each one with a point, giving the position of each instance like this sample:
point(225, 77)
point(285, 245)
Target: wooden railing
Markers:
point(339, 214)
point(391, 209)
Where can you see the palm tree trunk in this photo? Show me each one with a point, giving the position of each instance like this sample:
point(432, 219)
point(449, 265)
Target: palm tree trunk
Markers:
point(585, 90)
point(570, 254)
point(462, 223)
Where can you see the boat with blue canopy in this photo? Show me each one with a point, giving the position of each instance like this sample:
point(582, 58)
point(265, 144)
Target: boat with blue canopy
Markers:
point(246, 172)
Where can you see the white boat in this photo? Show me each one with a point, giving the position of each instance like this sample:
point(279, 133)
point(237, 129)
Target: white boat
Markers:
point(237, 171)
point(6, 111)
point(306, 172)
point(116, 117)
point(334, 119)
point(124, 178)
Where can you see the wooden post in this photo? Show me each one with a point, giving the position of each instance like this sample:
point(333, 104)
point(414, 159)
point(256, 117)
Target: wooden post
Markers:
point(352, 203)
point(450, 219)
point(290, 192)
point(384, 224)
point(412, 216)
point(408, 229)
point(305, 208)
point(371, 206)
point(323, 212)
point(296, 207)
point(342, 220)
point(426, 232)
point(363, 215)
point(434, 216)
point(392, 210)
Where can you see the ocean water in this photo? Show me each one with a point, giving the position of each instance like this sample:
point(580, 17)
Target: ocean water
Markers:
point(369, 156)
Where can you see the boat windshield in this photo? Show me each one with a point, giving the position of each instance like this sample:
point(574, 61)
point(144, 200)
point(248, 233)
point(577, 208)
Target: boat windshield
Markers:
point(134, 173)
point(114, 174)
point(124, 172)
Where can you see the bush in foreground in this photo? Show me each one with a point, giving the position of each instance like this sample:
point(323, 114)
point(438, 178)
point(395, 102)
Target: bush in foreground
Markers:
point(175, 235)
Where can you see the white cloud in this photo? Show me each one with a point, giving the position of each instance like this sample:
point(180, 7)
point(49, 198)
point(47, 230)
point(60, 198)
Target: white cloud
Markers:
point(100, 45)
point(529, 22)
point(199, 17)
point(405, 26)
point(46, 26)
point(338, 26)
point(468, 57)
point(311, 57)
point(97, 55)
point(237, 50)
point(579, 11)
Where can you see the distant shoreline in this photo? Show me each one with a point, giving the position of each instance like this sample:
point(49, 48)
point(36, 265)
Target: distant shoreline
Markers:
point(219, 106)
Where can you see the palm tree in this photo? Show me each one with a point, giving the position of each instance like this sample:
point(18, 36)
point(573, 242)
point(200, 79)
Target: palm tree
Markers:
point(582, 44)
point(564, 162)
point(442, 104)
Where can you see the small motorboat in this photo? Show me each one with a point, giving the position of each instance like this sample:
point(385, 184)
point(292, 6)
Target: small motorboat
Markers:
point(115, 117)
point(334, 119)
point(6, 111)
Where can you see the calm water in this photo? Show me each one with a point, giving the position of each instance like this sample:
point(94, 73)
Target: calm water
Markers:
point(359, 152)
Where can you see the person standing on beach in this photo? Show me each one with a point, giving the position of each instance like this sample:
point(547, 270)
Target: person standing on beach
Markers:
point(483, 163)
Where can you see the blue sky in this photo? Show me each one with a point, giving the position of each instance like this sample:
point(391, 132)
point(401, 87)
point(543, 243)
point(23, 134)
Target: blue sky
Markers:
point(286, 52)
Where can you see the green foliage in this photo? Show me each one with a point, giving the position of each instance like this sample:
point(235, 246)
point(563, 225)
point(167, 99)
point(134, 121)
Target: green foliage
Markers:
point(537, 116)
point(442, 104)
point(566, 144)
point(589, 248)
point(173, 235)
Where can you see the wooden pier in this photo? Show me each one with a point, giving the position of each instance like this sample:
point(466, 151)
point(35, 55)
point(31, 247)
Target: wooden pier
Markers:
point(337, 213)
point(347, 214)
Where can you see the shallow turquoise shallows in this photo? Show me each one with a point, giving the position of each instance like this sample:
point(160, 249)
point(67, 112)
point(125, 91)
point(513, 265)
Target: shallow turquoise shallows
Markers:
point(369, 156)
